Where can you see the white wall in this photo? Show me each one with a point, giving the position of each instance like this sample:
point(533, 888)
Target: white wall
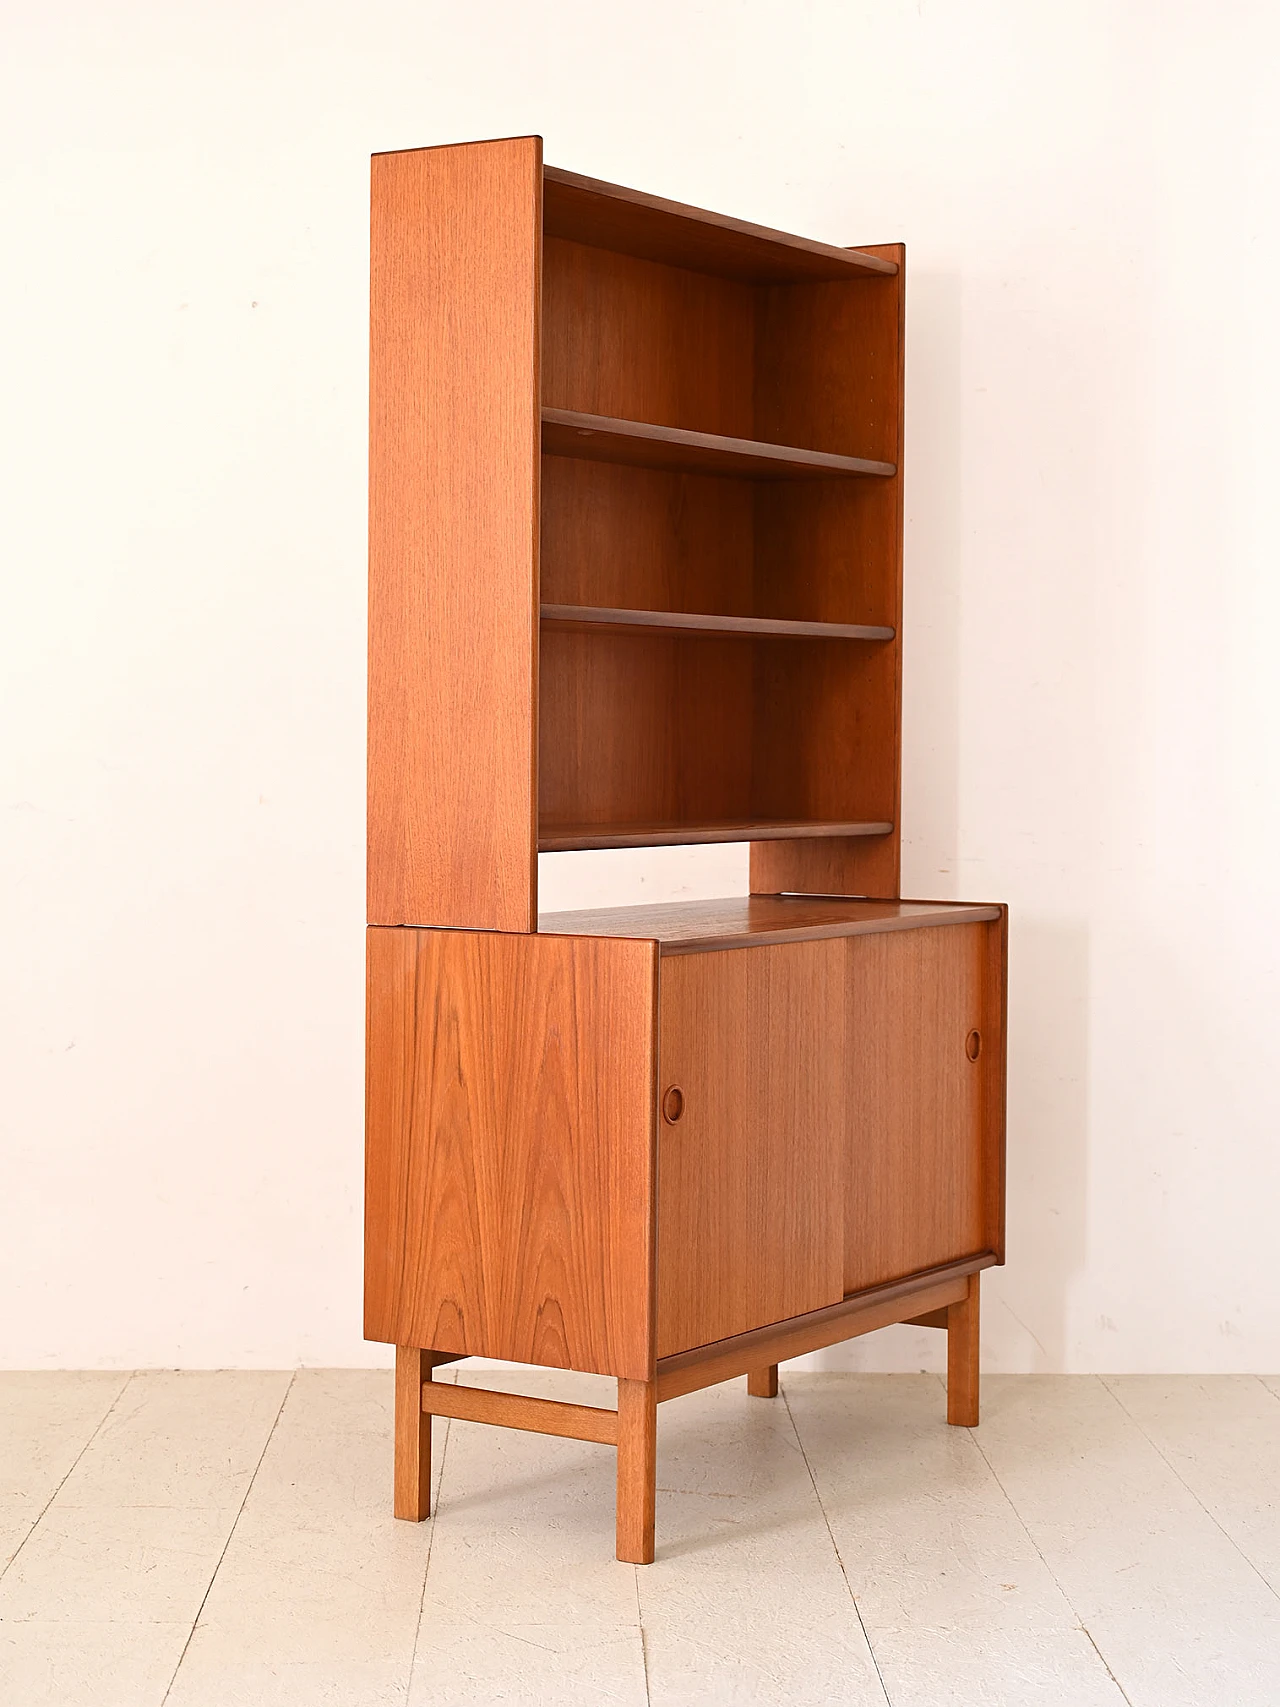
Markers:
point(1088, 196)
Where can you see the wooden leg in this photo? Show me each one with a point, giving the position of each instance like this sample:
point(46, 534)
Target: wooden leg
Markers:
point(762, 1383)
point(637, 1462)
point(962, 1359)
point(413, 1435)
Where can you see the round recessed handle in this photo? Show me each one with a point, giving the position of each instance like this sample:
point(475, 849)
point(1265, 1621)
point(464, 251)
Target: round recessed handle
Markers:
point(672, 1104)
point(973, 1045)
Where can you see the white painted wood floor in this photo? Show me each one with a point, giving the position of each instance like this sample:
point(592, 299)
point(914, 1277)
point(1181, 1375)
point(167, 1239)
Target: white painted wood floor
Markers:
point(207, 1540)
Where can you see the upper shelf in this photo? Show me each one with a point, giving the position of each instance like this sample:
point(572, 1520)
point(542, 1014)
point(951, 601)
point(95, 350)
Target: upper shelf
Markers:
point(613, 620)
point(744, 921)
point(603, 438)
point(586, 210)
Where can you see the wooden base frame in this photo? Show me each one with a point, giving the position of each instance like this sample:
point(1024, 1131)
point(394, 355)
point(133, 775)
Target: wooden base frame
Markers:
point(945, 1298)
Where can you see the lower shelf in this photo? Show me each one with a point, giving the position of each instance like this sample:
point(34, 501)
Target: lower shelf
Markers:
point(561, 838)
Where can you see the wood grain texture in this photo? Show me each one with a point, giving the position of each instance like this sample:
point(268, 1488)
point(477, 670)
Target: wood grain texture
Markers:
point(412, 1495)
point(515, 1410)
point(556, 836)
point(748, 921)
point(510, 1112)
point(994, 1064)
point(591, 618)
point(637, 1470)
point(963, 1363)
point(824, 722)
point(879, 1307)
point(592, 211)
point(762, 1383)
point(915, 1188)
point(617, 535)
point(681, 373)
point(750, 1179)
point(933, 1319)
point(633, 341)
point(830, 374)
point(615, 744)
point(454, 462)
point(604, 438)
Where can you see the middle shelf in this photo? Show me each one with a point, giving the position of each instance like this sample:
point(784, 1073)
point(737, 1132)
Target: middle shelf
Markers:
point(605, 438)
point(612, 619)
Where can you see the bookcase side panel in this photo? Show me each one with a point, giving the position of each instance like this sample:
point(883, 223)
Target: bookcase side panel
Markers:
point(509, 1158)
point(454, 458)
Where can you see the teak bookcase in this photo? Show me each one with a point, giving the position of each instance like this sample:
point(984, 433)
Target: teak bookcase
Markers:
point(635, 578)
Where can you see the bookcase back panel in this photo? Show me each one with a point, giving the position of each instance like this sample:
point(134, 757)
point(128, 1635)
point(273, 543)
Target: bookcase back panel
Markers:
point(827, 551)
point(655, 729)
point(644, 730)
point(823, 731)
point(814, 550)
point(636, 339)
point(645, 539)
point(828, 366)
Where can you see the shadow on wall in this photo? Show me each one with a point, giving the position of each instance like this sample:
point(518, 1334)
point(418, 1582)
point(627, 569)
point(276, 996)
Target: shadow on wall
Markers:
point(932, 572)
point(1025, 1326)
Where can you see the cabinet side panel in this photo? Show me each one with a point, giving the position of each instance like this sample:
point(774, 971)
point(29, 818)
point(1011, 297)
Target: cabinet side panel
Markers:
point(995, 1081)
point(454, 437)
point(829, 374)
point(750, 1209)
point(916, 1192)
point(510, 1114)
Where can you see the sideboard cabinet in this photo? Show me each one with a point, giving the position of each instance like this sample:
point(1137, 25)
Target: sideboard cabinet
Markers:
point(635, 579)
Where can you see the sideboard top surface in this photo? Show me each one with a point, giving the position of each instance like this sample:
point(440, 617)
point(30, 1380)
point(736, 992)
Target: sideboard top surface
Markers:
point(748, 921)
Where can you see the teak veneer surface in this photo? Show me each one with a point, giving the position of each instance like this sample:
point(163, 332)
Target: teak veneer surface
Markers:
point(640, 731)
point(826, 1098)
point(588, 618)
point(746, 921)
point(879, 1307)
point(412, 1484)
point(602, 438)
point(553, 837)
point(830, 372)
point(631, 341)
point(453, 534)
point(510, 1110)
point(515, 1410)
point(750, 1175)
point(646, 538)
point(694, 377)
point(609, 216)
point(918, 1127)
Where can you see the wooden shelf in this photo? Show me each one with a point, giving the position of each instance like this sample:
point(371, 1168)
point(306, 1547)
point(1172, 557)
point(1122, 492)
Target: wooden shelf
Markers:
point(561, 838)
point(586, 210)
point(604, 438)
point(745, 921)
point(573, 618)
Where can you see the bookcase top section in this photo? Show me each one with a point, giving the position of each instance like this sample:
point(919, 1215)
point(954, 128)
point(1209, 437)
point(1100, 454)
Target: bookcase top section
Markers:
point(749, 921)
point(586, 210)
